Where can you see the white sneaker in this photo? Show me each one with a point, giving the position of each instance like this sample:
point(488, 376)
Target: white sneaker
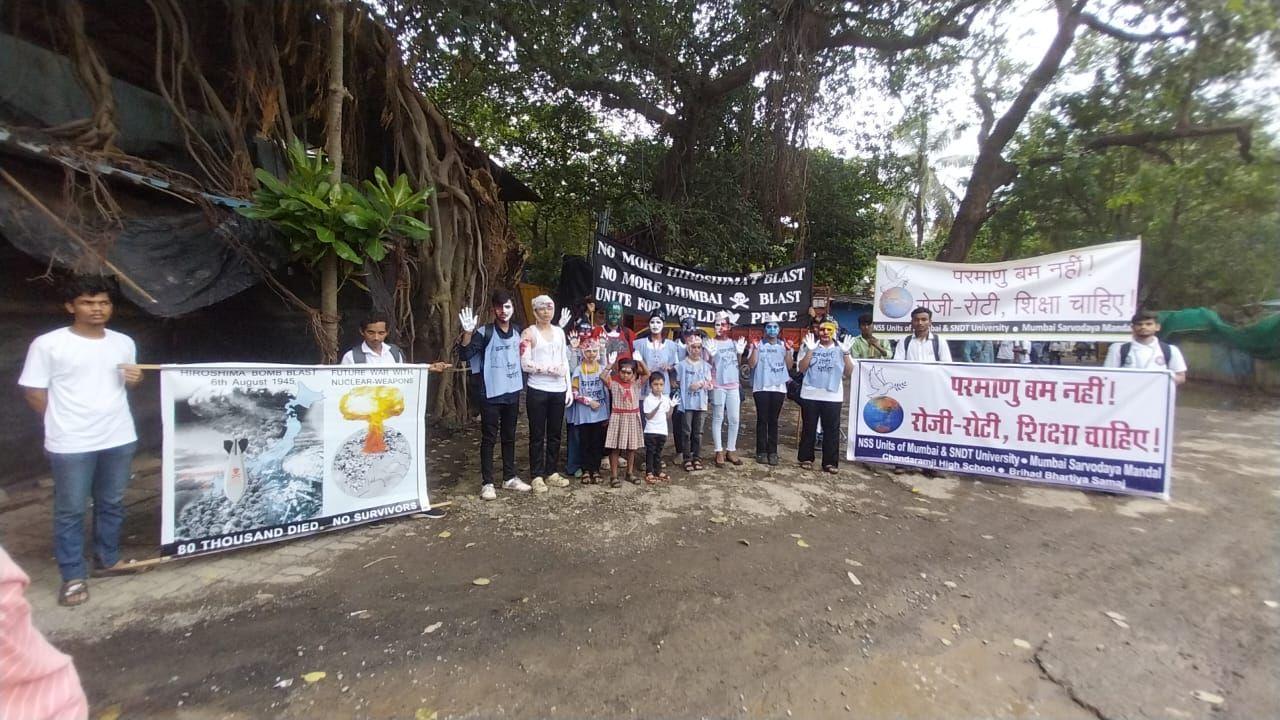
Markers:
point(538, 485)
point(557, 480)
point(487, 492)
point(517, 484)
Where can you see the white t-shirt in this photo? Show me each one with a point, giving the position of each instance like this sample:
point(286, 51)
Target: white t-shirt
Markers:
point(1014, 351)
point(549, 354)
point(658, 424)
point(370, 357)
point(1144, 356)
point(922, 350)
point(88, 406)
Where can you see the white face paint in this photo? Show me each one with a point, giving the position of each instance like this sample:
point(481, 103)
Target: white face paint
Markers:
point(655, 326)
point(544, 313)
point(505, 312)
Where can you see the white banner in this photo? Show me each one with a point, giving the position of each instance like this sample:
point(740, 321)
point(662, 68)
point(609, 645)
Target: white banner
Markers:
point(1086, 427)
point(255, 453)
point(1085, 294)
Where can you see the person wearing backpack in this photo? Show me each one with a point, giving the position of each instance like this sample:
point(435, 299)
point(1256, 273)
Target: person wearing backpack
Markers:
point(374, 349)
point(1145, 351)
point(922, 345)
point(496, 349)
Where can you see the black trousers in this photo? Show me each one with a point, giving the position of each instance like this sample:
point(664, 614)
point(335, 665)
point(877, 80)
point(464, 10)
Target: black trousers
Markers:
point(691, 425)
point(829, 412)
point(768, 408)
point(495, 419)
point(653, 444)
point(591, 445)
point(546, 420)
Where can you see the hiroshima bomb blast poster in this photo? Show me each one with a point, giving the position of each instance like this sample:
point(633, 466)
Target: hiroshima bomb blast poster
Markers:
point(1085, 294)
point(256, 453)
point(1089, 428)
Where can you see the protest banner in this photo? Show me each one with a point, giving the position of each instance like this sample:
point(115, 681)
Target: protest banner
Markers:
point(1085, 427)
point(1085, 294)
point(256, 453)
point(642, 284)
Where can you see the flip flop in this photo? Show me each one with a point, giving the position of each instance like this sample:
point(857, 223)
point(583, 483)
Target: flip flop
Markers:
point(806, 465)
point(615, 482)
point(73, 592)
point(651, 479)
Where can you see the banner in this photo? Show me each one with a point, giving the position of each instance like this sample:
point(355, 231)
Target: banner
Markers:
point(1090, 428)
point(1086, 294)
point(256, 453)
point(642, 284)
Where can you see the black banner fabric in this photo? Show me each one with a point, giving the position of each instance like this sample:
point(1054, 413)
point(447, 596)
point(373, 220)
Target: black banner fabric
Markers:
point(642, 284)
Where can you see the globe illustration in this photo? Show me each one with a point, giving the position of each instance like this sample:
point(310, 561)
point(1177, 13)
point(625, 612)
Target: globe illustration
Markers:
point(882, 414)
point(896, 302)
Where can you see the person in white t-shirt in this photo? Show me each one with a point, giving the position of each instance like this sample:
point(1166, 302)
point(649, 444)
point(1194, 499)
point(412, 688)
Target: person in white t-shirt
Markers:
point(656, 410)
point(1013, 351)
point(76, 378)
point(374, 350)
point(922, 345)
point(1147, 352)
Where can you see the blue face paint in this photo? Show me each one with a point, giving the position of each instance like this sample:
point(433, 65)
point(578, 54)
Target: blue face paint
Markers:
point(771, 330)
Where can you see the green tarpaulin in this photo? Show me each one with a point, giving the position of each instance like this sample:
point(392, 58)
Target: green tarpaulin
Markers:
point(1261, 339)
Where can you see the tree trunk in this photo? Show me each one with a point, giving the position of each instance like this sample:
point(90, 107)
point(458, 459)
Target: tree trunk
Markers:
point(991, 171)
point(333, 146)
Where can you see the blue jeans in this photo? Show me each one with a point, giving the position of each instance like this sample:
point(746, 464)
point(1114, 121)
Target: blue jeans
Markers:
point(102, 474)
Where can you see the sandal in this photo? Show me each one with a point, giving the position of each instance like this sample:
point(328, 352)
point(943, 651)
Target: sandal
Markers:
point(73, 592)
point(120, 568)
point(614, 482)
point(731, 458)
point(831, 469)
point(586, 478)
point(663, 477)
point(697, 464)
point(689, 466)
point(719, 460)
point(633, 479)
point(806, 465)
point(651, 479)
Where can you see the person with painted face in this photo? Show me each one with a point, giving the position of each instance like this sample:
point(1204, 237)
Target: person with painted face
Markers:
point(694, 376)
point(618, 340)
point(771, 363)
point(494, 350)
point(726, 393)
point(825, 365)
point(579, 337)
point(544, 356)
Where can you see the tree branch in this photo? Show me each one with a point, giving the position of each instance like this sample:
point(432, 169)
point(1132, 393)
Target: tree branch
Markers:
point(1093, 22)
point(1145, 140)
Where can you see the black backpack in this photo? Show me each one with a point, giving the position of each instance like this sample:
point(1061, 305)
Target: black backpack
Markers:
point(1164, 350)
point(906, 345)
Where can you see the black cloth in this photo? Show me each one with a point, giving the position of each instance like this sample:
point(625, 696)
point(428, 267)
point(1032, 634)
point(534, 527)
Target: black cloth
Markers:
point(653, 444)
point(498, 418)
point(829, 412)
point(591, 444)
point(691, 427)
point(768, 409)
point(546, 419)
point(677, 422)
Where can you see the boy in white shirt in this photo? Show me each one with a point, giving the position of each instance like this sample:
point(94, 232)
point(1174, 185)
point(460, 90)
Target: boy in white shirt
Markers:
point(76, 378)
point(1146, 351)
point(656, 408)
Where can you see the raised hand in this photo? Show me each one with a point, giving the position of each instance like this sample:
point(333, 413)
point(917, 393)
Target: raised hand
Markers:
point(810, 342)
point(788, 344)
point(740, 344)
point(847, 344)
point(611, 358)
point(565, 316)
point(574, 341)
point(467, 318)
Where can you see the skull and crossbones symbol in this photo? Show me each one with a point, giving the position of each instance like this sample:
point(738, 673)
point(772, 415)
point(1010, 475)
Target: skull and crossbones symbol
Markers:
point(739, 300)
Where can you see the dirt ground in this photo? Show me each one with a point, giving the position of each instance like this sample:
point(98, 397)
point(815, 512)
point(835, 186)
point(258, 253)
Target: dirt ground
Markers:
point(752, 592)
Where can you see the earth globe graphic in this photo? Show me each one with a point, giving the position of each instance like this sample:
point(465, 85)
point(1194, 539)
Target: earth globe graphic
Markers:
point(882, 414)
point(896, 302)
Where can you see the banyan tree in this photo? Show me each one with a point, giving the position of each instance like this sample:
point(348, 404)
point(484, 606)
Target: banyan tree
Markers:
point(130, 132)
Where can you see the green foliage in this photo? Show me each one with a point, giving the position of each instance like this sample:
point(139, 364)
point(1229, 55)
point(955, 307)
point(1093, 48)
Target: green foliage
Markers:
point(317, 218)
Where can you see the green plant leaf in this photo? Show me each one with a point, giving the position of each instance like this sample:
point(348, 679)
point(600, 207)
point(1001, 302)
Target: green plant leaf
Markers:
point(345, 252)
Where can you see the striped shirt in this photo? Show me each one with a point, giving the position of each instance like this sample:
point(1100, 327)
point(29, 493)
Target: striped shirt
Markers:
point(36, 681)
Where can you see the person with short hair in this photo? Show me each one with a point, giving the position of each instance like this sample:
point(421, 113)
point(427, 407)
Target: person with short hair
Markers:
point(694, 375)
point(544, 356)
point(589, 415)
point(656, 408)
point(77, 378)
point(495, 349)
point(922, 345)
point(867, 345)
point(825, 363)
point(374, 348)
point(726, 393)
point(1146, 351)
point(771, 363)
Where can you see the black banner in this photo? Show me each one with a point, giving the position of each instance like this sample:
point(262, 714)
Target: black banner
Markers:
point(642, 284)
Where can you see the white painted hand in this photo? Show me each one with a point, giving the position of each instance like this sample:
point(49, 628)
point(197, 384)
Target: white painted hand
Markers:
point(568, 398)
point(467, 318)
point(810, 342)
point(611, 358)
point(565, 316)
point(741, 345)
point(847, 344)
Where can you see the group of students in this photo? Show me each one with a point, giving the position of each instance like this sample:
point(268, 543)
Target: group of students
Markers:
point(618, 393)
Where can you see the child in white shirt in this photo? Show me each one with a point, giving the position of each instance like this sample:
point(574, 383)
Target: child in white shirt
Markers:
point(657, 413)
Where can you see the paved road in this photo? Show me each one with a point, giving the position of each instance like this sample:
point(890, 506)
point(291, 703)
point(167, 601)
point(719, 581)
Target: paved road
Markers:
point(726, 594)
